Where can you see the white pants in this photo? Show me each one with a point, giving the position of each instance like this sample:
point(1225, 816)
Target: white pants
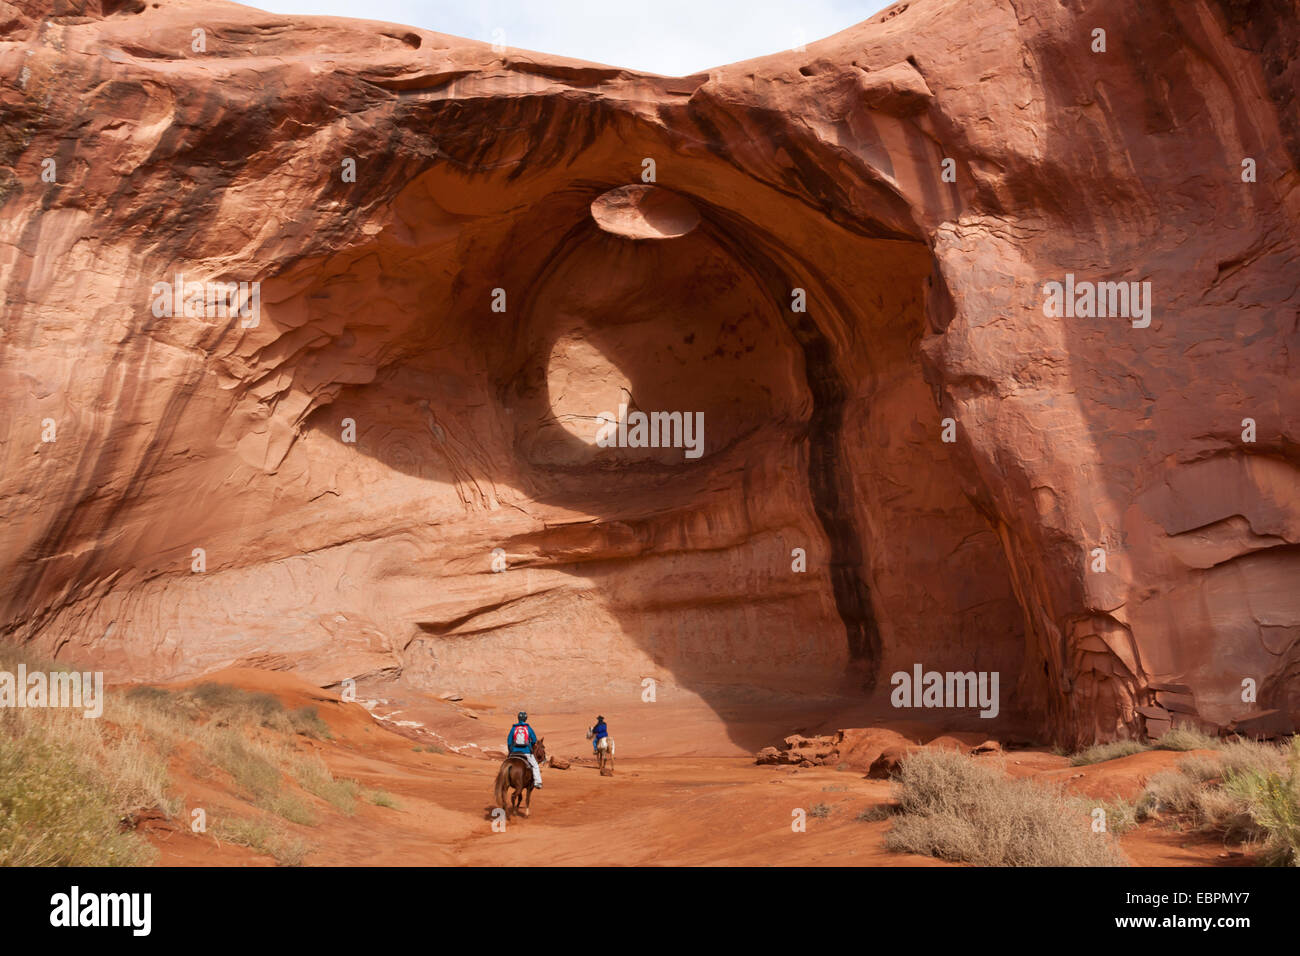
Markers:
point(537, 771)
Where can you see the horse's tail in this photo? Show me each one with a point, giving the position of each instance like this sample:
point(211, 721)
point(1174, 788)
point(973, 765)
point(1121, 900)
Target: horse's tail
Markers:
point(611, 745)
point(502, 784)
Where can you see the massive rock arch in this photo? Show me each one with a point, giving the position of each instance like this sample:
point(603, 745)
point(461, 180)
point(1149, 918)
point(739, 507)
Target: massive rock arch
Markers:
point(418, 212)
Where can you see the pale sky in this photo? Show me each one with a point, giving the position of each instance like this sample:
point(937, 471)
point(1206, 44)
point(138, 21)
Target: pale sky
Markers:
point(672, 37)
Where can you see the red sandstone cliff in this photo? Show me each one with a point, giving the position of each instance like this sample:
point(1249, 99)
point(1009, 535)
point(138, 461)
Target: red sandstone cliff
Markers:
point(474, 412)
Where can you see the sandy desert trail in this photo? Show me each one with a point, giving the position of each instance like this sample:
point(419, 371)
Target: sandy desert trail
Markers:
point(684, 793)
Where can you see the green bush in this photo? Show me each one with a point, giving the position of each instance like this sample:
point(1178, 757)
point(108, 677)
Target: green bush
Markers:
point(1272, 799)
point(1246, 791)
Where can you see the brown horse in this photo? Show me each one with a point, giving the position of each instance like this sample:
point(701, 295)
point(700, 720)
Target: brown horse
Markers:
point(515, 775)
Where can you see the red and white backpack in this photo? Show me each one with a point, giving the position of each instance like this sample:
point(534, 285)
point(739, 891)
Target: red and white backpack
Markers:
point(521, 735)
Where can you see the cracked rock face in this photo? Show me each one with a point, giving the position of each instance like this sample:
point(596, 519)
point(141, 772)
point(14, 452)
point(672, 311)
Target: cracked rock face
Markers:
point(414, 451)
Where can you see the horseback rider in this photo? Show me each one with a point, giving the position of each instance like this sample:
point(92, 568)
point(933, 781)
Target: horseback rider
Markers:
point(520, 742)
point(597, 734)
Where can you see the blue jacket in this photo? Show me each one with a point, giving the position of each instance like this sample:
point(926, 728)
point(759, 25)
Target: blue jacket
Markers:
point(513, 748)
point(599, 731)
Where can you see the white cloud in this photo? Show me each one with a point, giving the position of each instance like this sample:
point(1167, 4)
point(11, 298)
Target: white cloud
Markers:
point(673, 37)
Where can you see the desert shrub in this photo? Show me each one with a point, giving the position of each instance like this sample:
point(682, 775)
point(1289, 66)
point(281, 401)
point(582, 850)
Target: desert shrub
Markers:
point(60, 804)
point(292, 808)
point(235, 702)
point(1224, 812)
point(1272, 800)
point(874, 814)
point(151, 696)
point(226, 704)
point(1110, 751)
point(251, 766)
point(1246, 791)
point(71, 786)
point(314, 777)
point(1121, 815)
point(1187, 738)
point(157, 719)
point(819, 810)
point(956, 809)
point(1243, 756)
point(261, 835)
point(308, 721)
point(1170, 791)
point(1201, 767)
point(291, 851)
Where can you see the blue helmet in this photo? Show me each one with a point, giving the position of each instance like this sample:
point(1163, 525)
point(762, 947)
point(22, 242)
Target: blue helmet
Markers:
point(523, 717)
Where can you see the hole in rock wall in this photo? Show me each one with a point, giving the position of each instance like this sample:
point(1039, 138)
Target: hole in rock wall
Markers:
point(644, 212)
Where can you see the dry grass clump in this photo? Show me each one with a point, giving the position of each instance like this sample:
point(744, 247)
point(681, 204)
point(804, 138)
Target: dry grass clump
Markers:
point(1110, 751)
point(265, 837)
point(314, 777)
point(875, 813)
point(70, 786)
point(1247, 791)
point(225, 705)
point(1187, 738)
point(954, 808)
point(240, 734)
point(67, 790)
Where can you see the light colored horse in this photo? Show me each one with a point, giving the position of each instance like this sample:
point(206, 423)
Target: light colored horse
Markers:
point(604, 755)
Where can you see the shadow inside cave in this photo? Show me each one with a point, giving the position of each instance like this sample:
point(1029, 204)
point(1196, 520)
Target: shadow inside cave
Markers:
point(692, 558)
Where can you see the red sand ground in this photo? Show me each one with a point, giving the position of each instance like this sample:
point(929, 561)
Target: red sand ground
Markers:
point(683, 793)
